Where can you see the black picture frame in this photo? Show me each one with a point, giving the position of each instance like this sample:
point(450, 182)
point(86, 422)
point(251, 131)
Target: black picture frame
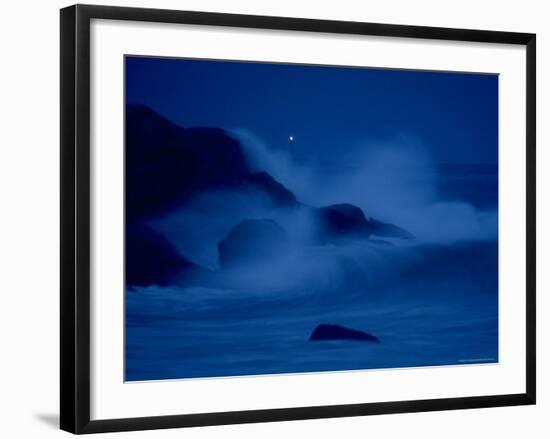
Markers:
point(75, 218)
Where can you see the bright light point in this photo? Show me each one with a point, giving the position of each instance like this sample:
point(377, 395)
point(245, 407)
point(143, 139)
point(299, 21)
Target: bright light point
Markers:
point(291, 138)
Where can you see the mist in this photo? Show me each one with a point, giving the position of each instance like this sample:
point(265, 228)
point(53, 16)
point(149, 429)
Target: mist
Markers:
point(355, 198)
point(394, 180)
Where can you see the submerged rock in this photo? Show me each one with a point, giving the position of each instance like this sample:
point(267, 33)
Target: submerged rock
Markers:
point(336, 332)
point(252, 241)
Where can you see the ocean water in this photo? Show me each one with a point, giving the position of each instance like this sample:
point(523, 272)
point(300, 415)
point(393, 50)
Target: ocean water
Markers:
point(431, 302)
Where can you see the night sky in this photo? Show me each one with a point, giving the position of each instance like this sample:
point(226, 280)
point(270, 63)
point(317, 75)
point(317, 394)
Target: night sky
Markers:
point(326, 109)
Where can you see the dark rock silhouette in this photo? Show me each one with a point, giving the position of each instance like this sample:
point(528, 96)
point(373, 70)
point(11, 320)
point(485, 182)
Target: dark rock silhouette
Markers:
point(165, 163)
point(252, 241)
point(346, 221)
point(336, 332)
point(388, 230)
point(343, 220)
point(275, 191)
point(150, 258)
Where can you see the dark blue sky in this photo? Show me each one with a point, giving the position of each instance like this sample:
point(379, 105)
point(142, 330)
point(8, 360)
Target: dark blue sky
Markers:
point(327, 109)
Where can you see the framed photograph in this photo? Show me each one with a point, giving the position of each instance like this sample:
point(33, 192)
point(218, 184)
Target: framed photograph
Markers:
point(273, 218)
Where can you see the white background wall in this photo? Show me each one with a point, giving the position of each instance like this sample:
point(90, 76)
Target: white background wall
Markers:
point(29, 249)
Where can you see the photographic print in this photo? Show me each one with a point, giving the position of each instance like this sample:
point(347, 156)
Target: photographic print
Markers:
point(293, 218)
